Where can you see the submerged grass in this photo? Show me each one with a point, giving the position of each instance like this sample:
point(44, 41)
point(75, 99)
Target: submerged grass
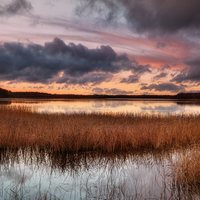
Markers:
point(187, 170)
point(94, 175)
point(20, 127)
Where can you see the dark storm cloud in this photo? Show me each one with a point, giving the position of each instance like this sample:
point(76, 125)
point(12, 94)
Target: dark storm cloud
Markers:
point(163, 72)
point(137, 71)
point(130, 79)
point(56, 61)
point(159, 76)
point(165, 87)
point(94, 78)
point(141, 69)
point(16, 7)
point(113, 91)
point(164, 16)
point(190, 74)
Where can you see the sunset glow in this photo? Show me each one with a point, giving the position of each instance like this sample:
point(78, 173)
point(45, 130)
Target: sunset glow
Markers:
point(100, 47)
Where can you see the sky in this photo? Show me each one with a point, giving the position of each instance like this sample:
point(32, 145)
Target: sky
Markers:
point(127, 47)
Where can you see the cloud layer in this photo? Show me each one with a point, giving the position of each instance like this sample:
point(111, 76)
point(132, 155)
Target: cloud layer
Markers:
point(147, 16)
point(16, 7)
point(170, 87)
point(190, 74)
point(113, 91)
point(61, 63)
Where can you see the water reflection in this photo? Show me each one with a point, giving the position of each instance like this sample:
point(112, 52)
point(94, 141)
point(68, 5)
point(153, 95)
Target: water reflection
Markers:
point(117, 105)
point(33, 174)
point(164, 109)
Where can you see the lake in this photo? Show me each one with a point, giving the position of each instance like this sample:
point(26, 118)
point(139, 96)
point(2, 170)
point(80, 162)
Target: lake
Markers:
point(36, 174)
point(107, 105)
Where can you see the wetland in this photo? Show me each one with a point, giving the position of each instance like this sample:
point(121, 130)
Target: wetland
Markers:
point(96, 149)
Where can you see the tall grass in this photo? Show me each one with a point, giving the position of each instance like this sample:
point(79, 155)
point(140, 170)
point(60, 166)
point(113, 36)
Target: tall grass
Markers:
point(22, 128)
point(187, 170)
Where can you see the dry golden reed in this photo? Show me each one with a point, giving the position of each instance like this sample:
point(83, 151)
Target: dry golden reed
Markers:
point(21, 128)
point(187, 170)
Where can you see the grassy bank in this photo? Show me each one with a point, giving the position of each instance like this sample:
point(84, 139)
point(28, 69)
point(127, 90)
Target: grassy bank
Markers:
point(21, 128)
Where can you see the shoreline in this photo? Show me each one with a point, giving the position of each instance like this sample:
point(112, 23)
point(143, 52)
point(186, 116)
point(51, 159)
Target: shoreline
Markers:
point(9, 94)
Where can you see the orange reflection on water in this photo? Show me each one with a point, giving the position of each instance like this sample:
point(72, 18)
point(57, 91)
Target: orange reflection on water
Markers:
point(108, 105)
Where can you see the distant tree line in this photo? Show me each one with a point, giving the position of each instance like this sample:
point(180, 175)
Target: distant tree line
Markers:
point(8, 94)
point(188, 96)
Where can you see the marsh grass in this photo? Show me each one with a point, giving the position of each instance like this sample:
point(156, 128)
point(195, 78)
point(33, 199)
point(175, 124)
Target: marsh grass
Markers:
point(187, 170)
point(75, 141)
point(20, 127)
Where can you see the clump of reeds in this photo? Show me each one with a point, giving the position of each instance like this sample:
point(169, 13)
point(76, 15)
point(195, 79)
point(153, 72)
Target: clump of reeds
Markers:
point(187, 170)
point(22, 128)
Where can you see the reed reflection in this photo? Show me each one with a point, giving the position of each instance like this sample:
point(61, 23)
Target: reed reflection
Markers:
point(39, 174)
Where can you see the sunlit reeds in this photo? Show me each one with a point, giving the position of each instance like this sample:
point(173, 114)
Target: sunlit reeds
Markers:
point(22, 128)
point(187, 170)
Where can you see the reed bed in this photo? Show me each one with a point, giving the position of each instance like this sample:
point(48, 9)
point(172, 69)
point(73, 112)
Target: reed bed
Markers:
point(21, 127)
point(187, 170)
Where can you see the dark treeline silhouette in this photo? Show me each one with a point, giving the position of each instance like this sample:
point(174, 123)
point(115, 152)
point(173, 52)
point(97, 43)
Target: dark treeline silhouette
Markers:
point(188, 96)
point(8, 94)
point(5, 93)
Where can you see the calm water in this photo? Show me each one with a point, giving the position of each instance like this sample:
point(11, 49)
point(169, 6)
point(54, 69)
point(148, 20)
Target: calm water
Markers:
point(31, 175)
point(117, 105)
